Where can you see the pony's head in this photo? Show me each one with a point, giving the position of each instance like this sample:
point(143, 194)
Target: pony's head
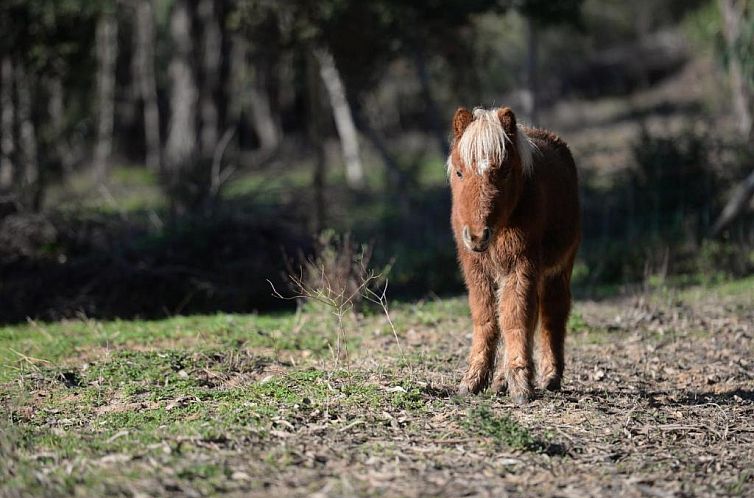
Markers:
point(490, 156)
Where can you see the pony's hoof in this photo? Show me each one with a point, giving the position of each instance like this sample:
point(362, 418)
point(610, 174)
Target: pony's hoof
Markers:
point(519, 385)
point(474, 381)
point(553, 384)
point(464, 389)
point(550, 383)
point(473, 386)
point(499, 385)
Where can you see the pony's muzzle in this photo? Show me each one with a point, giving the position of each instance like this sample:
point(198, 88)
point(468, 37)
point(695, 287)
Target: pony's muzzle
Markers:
point(476, 242)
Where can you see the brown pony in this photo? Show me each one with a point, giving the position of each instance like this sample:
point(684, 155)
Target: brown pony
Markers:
point(516, 223)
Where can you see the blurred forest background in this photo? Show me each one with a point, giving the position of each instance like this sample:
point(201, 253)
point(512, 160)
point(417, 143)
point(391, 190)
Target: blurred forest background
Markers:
point(168, 156)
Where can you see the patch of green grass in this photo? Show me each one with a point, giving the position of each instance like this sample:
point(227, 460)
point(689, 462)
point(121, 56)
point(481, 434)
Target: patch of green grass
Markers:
point(133, 176)
point(738, 487)
point(412, 399)
point(144, 402)
point(502, 429)
point(737, 287)
point(67, 423)
point(695, 287)
point(266, 187)
point(576, 323)
point(433, 311)
point(580, 329)
point(130, 189)
point(28, 347)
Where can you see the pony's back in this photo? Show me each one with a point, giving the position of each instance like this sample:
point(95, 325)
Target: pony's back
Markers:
point(553, 191)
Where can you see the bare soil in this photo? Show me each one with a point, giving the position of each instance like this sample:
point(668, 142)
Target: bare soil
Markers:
point(658, 401)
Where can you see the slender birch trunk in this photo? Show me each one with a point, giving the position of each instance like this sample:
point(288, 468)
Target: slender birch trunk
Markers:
point(210, 56)
point(107, 52)
point(344, 123)
point(743, 102)
point(144, 38)
point(180, 146)
point(7, 119)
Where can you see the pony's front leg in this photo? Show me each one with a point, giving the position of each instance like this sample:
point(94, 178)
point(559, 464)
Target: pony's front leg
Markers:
point(518, 318)
point(486, 331)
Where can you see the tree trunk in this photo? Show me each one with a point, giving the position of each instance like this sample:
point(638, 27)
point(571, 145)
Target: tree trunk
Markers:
point(7, 119)
point(236, 84)
point(261, 110)
point(29, 181)
point(743, 101)
point(732, 12)
point(210, 57)
point(532, 82)
point(107, 52)
point(314, 132)
point(180, 145)
point(60, 150)
point(349, 140)
point(397, 181)
point(434, 122)
point(144, 38)
point(250, 94)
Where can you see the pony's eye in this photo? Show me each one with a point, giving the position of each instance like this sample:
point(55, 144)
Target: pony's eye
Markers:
point(459, 174)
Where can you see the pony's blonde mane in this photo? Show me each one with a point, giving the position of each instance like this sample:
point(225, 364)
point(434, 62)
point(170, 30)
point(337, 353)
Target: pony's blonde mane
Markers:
point(483, 143)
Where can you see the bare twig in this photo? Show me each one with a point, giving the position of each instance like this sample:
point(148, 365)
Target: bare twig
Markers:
point(381, 300)
point(338, 279)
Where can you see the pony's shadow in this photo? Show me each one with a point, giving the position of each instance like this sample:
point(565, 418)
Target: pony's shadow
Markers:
point(654, 398)
point(726, 398)
point(665, 398)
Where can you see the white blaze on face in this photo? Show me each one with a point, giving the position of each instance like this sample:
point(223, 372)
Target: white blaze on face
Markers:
point(483, 165)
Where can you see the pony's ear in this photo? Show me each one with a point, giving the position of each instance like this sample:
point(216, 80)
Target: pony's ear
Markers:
point(507, 119)
point(461, 119)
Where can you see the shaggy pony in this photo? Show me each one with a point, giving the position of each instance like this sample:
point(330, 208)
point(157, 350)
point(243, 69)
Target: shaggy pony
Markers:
point(516, 223)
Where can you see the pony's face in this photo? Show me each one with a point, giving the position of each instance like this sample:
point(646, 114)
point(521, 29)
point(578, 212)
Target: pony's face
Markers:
point(485, 174)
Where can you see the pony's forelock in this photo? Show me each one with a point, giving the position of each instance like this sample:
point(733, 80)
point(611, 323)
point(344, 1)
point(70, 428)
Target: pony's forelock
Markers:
point(484, 141)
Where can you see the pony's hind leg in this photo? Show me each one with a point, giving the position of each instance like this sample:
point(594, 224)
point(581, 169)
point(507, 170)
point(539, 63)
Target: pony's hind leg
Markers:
point(555, 304)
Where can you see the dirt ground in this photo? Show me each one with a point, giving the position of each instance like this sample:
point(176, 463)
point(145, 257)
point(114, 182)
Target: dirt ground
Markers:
point(658, 400)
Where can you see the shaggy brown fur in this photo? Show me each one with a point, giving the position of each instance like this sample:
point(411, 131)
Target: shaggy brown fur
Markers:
point(517, 230)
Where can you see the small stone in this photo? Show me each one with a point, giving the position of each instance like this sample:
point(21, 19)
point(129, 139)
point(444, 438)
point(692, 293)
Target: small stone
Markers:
point(267, 379)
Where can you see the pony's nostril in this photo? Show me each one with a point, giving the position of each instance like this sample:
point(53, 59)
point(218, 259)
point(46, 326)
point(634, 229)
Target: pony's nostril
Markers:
point(486, 234)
